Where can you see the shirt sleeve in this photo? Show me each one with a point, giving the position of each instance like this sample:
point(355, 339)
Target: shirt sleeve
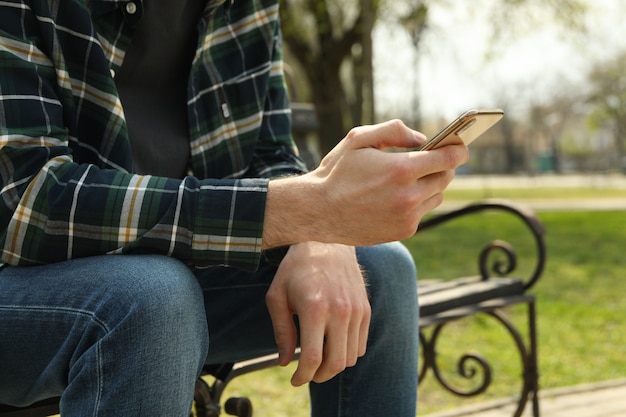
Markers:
point(276, 153)
point(67, 190)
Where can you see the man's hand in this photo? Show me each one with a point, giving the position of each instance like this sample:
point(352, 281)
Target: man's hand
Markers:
point(361, 195)
point(322, 284)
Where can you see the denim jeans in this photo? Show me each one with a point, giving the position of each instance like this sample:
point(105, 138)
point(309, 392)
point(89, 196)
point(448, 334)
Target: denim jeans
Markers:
point(128, 335)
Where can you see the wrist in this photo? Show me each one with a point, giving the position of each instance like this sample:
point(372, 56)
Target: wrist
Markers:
point(292, 212)
point(326, 253)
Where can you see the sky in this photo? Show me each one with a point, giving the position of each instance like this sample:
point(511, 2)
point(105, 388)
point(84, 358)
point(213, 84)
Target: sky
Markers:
point(452, 74)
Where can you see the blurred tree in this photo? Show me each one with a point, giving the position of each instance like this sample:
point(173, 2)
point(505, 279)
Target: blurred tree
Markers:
point(323, 37)
point(415, 22)
point(331, 42)
point(608, 96)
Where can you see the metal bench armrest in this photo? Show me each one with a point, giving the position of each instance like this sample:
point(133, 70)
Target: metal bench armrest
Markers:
point(529, 220)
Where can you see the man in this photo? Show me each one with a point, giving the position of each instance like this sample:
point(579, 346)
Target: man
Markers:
point(154, 209)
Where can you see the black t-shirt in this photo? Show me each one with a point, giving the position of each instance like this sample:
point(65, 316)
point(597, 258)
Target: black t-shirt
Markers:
point(152, 84)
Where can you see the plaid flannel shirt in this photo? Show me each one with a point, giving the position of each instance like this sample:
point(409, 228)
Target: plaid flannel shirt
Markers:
point(68, 187)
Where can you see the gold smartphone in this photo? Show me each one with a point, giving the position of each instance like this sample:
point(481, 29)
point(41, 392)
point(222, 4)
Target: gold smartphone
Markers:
point(465, 128)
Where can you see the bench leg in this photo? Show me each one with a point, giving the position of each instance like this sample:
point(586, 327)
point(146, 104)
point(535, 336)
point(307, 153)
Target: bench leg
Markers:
point(207, 401)
point(527, 350)
point(533, 377)
point(205, 405)
point(529, 358)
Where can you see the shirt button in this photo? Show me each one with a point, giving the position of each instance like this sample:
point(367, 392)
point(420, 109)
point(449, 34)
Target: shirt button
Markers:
point(131, 8)
point(112, 73)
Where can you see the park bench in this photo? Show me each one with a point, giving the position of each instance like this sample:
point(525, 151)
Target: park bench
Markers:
point(442, 301)
point(490, 292)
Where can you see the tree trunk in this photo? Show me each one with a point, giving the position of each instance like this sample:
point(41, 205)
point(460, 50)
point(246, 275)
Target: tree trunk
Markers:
point(329, 99)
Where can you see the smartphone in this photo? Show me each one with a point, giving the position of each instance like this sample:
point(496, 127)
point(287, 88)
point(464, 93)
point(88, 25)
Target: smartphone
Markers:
point(465, 128)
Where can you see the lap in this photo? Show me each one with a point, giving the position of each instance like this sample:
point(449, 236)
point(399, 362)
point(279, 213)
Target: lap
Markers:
point(234, 300)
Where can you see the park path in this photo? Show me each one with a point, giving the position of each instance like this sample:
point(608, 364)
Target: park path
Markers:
point(603, 399)
point(490, 183)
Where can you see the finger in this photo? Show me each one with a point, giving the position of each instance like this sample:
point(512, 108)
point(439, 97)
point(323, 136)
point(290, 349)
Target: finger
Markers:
point(336, 348)
point(311, 349)
point(353, 347)
point(285, 332)
point(446, 158)
point(431, 203)
point(364, 331)
point(438, 182)
point(358, 333)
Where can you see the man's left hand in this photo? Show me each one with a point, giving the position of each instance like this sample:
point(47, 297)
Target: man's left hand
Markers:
point(323, 285)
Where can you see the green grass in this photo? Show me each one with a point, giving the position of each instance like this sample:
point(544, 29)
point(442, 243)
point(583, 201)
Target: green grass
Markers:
point(581, 331)
point(581, 326)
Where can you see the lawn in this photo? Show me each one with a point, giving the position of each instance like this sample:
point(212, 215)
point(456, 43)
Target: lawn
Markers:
point(581, 326)
point(581, 330)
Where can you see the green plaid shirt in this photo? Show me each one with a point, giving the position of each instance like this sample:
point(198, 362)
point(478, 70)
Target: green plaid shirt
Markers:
point(68, 187)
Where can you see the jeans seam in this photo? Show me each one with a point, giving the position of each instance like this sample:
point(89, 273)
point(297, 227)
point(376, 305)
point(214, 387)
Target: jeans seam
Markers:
point(100, 377)
point(45, 309)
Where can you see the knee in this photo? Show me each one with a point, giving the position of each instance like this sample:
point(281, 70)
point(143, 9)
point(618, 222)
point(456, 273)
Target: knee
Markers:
point(150, 294)
point(392, 282)
point(389, 265)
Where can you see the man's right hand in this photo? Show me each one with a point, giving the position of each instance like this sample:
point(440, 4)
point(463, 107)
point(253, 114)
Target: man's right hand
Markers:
point(361, 195)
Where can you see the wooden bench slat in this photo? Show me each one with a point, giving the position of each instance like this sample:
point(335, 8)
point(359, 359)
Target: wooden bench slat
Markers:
point(438, 296)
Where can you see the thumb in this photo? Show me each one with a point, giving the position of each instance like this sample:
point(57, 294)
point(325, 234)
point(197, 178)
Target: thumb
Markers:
point(393, 133)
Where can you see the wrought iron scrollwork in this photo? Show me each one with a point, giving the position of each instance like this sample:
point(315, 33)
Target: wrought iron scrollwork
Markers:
point(475, 367)
point(470, 366)
point(499, 267)
point(532, 223)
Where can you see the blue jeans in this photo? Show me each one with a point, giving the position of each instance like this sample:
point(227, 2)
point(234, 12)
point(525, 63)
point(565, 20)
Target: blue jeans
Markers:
point(128, 335)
